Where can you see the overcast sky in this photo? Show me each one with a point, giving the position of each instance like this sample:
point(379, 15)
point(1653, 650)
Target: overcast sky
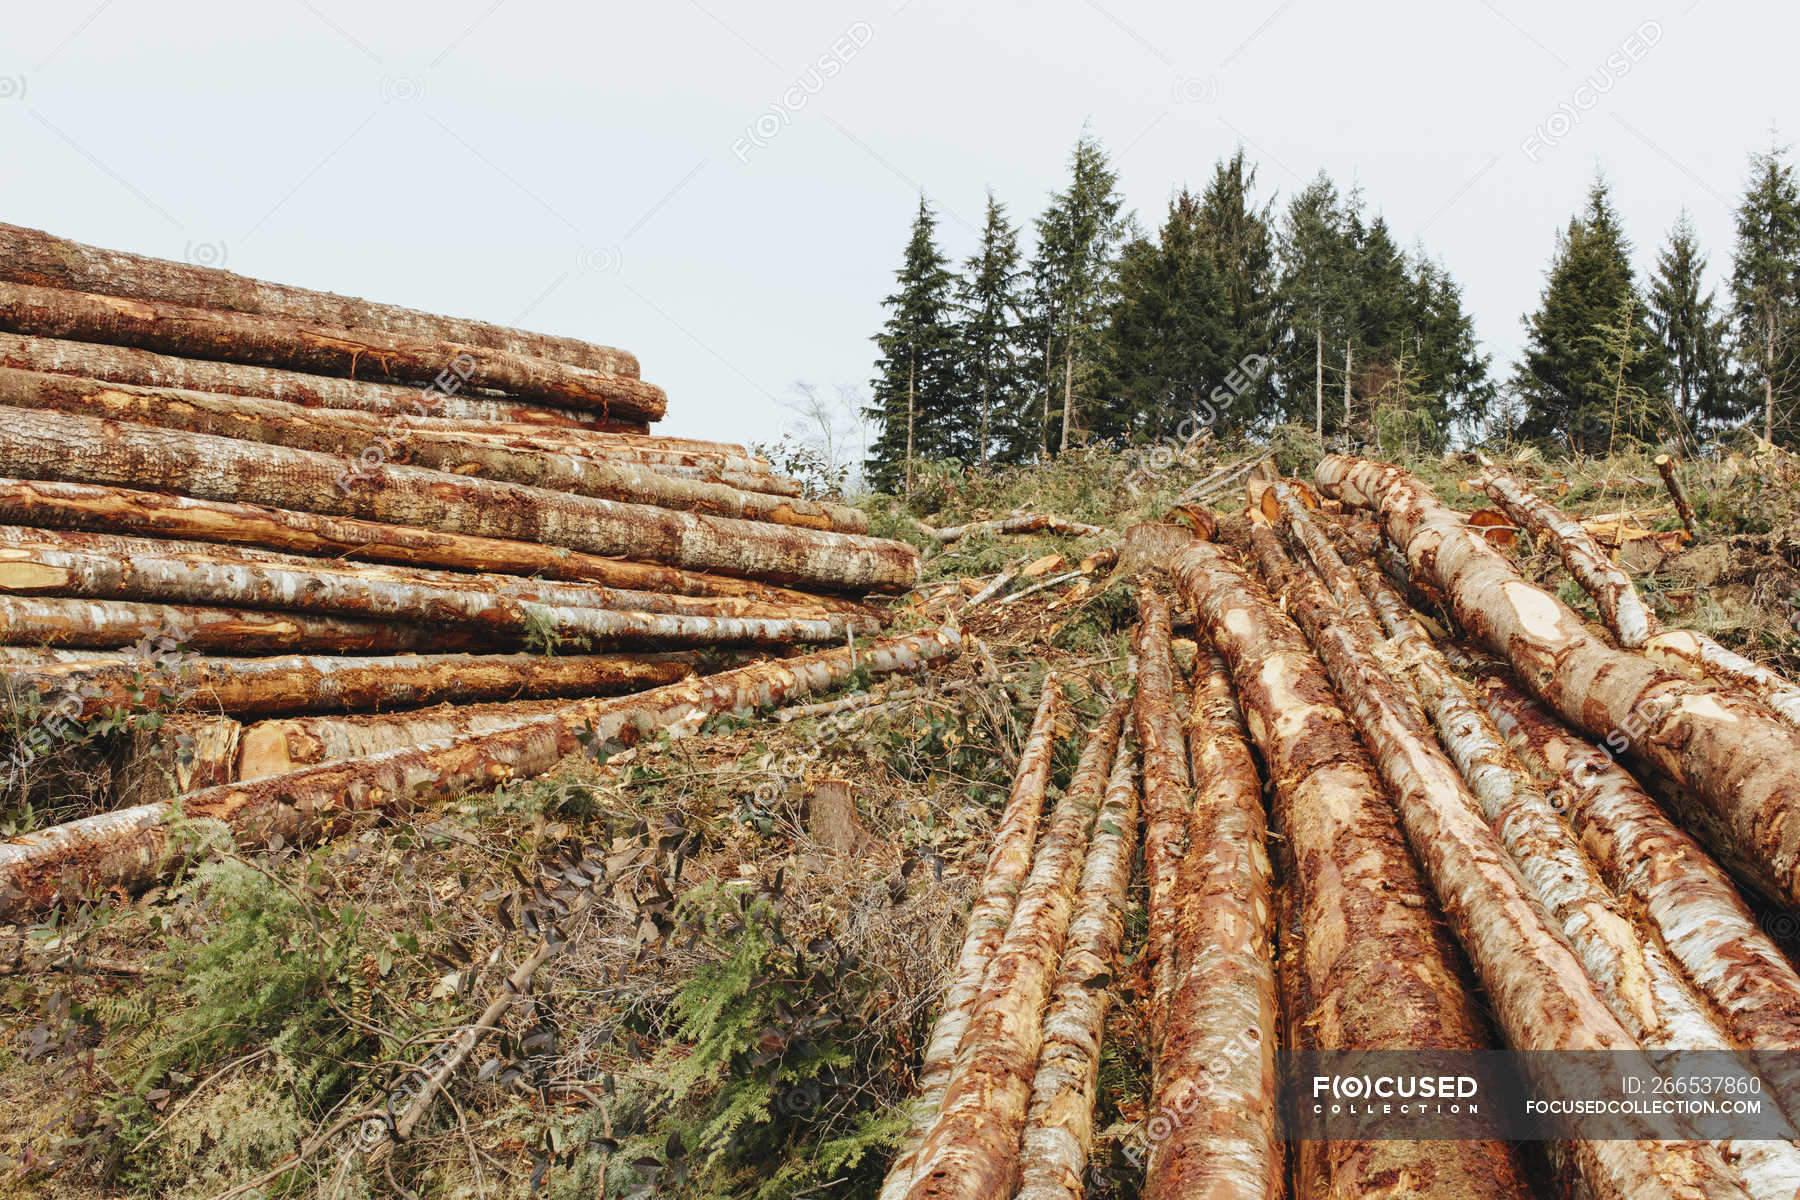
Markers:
point(599, 169)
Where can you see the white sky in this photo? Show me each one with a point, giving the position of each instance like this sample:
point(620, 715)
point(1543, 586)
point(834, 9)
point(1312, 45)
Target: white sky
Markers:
point(571, 167)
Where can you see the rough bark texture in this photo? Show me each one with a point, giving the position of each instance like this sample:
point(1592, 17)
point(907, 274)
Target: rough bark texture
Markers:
point(187, 751)
point(45, 445)
point(116, 624)
point(1699, 657)
point(34, 257)
point(1736, 755)
point(995, 899)
point(124, 364)
point(1059, 1125)
point(972, 1151)
point(313, 683)
point(1377, 970)
point(1029, 523)
point(1613, 592)
point(424, 442)
point(114, 510)
point(1168, 797)
point(1665, 466)
point(36, 568)
point(277, 746)
point(131, 848)
point(1215, 1070)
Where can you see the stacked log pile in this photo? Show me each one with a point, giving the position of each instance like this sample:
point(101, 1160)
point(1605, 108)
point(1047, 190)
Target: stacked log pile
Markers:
point(239, 500)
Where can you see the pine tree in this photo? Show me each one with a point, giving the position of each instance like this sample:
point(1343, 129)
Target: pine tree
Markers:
point(1765, 288)
point(1317, 250)
point(915, 388)
point(990, 341)
point(1566, 378)
point(1692, 334)
point(1074, 274)
point(1240, 237)
point(1448, 369)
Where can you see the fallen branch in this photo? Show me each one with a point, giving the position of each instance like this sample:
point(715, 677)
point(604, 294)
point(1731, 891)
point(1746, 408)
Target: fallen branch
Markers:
point(997, 584)
point(1024, 523)
point(1665, 466)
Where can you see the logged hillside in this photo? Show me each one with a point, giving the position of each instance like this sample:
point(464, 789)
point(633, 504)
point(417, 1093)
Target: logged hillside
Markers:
point(725, 960)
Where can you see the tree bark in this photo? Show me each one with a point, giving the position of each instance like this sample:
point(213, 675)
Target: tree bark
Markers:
point(35, 567)
point(1376, 970)
point(34, 257)
point(1699, 657)
point(124, 364)
point(322, 349)
point(112, 510)
point(295, 683)
point(995, 900)
point(1737, 756)
point(280, 745)
point(1024, 523)
point(1541, 994)
point(1215, 1073)
point(132, 848)
point(1168, 794)
point(48, 445)
point(1059, 1125)
point(972, 1151)
point(116, 624)
point(366, 440)
point(185, 752)
point(1665, 466)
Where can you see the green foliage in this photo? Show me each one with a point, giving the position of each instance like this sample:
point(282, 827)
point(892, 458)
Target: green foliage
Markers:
point(1693, 335)
point(1765, 290)
point(915, 387)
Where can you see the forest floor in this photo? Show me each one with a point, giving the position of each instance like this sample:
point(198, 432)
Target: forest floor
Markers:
point(743, 968)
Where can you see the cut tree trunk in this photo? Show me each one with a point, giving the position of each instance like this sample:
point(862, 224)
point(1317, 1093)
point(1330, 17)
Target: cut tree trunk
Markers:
point(1059, 1125)
point(298, 683)
point(34, 257)
point(364, 439)
point(1025, 523)
point(367, 352)
point(37, 568)
point(1539, 989)
point(1736, 755)
point(972, 1151)
point(1699, 657)
point(1168, 797)
point(1665, 466)
point(995, 899)
point(1378, 971)
point(277, 746)
point(186, 751)
point(117, 624)
point(1215, 1074)
point(124, 364)
point(133, 848)
point(47, 445)
point(114, 510)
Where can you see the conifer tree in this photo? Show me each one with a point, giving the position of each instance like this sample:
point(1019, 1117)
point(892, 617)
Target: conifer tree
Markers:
point(991, 342)
point(1240, 237)
point(1317, 251)
point(915, 387)
point(1765, 289)
point(1687, 321)
point(1444, 359)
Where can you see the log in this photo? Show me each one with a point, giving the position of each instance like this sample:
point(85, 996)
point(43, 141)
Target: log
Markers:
point(1024, 523)
point(1665, 466)
point(366, 439)
point(368, 352)
point(1737, 756)
point(1540, 992)
point(1378, 970)
point(132, 848)
point(117, 624)
point(1614, 595)
point(36, 568)
point(1059, 1125)
point(995, 899)
point(1698, 656)
point(972, 1150)
point(124, 364)
point(186, 751)
point(1168, 796)
point(858, 700)
point(45, 445)
point(296, 683)
point(283, 744)
point(1215, 1073)
point(81, 506)
point(34, 257)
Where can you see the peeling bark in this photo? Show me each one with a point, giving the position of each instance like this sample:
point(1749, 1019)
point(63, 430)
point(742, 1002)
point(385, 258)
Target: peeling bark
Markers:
point(995, 900)
point(1736, 755)
point(313, 683)
point(972, 1151)
point(45, 445)
point(1215, 1070)
point(1375, 971)
point(537, 460)
point(367, 352)
point(1027, 523)
point(1665, 466)
point(1059, 1125)
point(277, 746)
point(187, 751)
point(132, 848)
point(35, 257)
point(1699, 657)
point(1168, 794)
point(115, 510)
